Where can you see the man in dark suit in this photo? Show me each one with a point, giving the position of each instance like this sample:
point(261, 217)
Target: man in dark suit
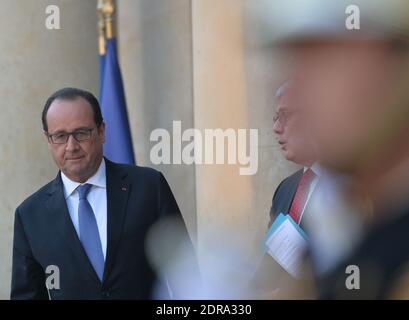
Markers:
point(292, 194)
point(91, 222)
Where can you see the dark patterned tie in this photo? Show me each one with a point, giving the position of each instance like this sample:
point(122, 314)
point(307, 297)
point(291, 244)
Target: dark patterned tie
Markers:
point(301, 195)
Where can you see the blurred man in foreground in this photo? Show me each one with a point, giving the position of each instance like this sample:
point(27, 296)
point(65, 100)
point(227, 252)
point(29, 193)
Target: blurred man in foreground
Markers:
point(353, 85)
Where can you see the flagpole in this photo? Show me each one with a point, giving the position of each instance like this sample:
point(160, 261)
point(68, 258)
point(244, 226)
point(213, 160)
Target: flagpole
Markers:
point(118, 145)
point(101, 28)
point(108, 10)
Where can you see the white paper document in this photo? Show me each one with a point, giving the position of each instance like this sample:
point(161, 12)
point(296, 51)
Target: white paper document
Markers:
point(286, 243)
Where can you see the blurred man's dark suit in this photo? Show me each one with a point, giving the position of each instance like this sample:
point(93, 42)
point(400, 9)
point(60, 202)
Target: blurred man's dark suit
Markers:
point(284, 195)
point(269, 272)
point(44, 235)
point(383, 261)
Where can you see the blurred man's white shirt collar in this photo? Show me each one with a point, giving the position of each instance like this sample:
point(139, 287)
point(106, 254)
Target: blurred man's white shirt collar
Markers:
point(316, 168)
point(334, 226)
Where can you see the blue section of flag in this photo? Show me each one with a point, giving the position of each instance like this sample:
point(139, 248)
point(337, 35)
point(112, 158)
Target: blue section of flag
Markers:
point(118, 141)
point(101, 73)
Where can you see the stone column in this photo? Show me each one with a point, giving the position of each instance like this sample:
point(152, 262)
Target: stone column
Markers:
point(235, 77)
point(34, 62)
point(203, 62)
point(155, 46)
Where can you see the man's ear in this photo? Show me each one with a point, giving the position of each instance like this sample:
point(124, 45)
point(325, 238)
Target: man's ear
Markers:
point(101, 131)
point(46, 137)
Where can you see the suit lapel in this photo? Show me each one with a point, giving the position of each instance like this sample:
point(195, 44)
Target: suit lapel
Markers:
point(292, 189)
point(57, 205)
point(118, 190)
point(307, 210)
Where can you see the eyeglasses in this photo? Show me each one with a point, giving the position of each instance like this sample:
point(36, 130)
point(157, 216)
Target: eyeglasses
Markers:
point(79, 135)
point(282, 116)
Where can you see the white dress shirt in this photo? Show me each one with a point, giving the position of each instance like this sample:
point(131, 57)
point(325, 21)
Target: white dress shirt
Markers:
point(316, 169)
point(97, 198)
point(334, 224)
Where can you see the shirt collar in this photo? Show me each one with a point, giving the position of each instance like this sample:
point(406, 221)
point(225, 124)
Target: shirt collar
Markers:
point(98, 180)
point(316, 168)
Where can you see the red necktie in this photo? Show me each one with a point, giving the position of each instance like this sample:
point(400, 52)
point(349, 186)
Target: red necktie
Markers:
point(301, 195)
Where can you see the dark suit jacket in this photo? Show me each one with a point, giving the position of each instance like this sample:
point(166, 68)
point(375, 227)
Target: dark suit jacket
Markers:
point(44, 235)
point(269, 273)
point(284, 195)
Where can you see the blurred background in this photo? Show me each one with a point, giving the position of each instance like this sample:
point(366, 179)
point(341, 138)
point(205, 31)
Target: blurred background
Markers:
point(201, 62)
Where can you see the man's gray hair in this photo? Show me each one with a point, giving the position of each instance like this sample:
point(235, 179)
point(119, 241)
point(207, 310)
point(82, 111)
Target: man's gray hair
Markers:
point(281, 90)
